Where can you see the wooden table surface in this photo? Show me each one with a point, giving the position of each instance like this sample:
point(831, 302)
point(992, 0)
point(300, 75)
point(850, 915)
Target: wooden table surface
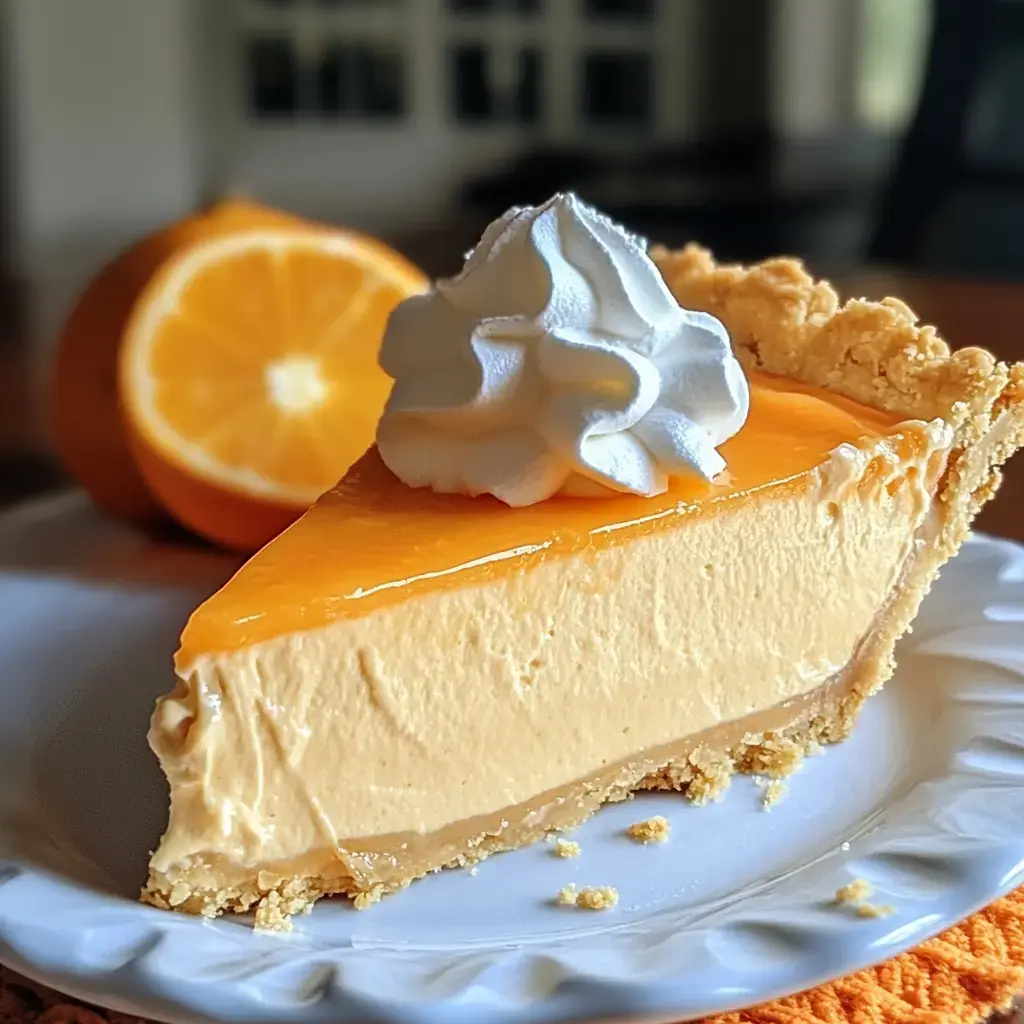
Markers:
point(965, 312)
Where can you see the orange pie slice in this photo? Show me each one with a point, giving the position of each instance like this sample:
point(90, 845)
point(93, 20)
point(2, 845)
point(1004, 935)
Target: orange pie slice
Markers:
point(404, 681)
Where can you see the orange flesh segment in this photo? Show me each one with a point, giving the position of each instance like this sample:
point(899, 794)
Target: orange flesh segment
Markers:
point(250, 315)
point(372, 541)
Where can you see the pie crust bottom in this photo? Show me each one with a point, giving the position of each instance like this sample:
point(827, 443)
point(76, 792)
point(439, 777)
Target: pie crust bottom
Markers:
point(699, 766)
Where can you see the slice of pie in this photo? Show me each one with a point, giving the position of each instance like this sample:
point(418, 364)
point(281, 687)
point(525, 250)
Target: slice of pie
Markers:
point(407, 680)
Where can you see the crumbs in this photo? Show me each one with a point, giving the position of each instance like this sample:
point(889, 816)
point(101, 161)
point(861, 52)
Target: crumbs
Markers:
point(857, 891)
point(598, 897)
point(871, 910)
point(604, 897)
point(653, 830)
point(774, 791)
point(592, 897)
point(856, 895)
point(567, 896)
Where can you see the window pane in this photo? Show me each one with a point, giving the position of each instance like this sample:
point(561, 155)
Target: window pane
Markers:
point(331, 85)
point(471, 94)
point(995, 123)
point(379, 81)
point(362, 80)
point(630, 10)
point(273, 77)
point(483, 6)
point(617, 89)
point(891, 51)
point(529, 87)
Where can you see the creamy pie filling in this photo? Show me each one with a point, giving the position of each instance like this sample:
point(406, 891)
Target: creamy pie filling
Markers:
point(290, 760)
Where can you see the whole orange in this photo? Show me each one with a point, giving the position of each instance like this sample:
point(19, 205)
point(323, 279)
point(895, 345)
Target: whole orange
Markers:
point(85, 421)
point(249, 380)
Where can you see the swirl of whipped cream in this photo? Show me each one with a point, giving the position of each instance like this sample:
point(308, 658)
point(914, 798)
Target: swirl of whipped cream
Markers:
point(557, 361)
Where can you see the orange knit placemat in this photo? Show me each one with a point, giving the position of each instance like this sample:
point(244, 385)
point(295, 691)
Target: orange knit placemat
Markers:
point(961, 977)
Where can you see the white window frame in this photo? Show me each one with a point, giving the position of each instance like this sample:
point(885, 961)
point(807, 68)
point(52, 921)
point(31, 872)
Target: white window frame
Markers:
point(308, 25)
point(813, 90)
point(560, 32)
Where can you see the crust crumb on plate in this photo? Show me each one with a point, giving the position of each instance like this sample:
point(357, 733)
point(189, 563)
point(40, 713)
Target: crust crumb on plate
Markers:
point(592, 897)
point(775, 791)
point(567, 895)
point(857, 891)
point(597, 897)
point(653, 830)
point(872, 910)
point(855, 896)
point(567, 848)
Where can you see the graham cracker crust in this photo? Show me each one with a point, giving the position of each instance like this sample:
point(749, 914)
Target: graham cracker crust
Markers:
point(784, 322)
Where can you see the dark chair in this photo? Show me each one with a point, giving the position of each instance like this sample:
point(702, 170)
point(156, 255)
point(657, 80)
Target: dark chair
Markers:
point(955, 202)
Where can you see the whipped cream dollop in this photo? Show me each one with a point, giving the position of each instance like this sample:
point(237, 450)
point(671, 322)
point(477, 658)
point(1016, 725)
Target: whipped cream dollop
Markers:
point(557, 361)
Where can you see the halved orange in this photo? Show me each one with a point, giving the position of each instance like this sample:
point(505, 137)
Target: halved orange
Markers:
point(248, 376)
point(85, 421)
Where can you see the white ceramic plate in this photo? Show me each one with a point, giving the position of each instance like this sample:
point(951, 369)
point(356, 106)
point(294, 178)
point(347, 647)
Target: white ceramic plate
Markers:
point(926, 801)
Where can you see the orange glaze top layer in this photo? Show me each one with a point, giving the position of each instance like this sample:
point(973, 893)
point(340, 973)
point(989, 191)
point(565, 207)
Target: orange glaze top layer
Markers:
point(372, 541)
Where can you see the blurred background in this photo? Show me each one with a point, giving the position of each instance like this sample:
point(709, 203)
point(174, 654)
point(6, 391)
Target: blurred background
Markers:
point(881, 140)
